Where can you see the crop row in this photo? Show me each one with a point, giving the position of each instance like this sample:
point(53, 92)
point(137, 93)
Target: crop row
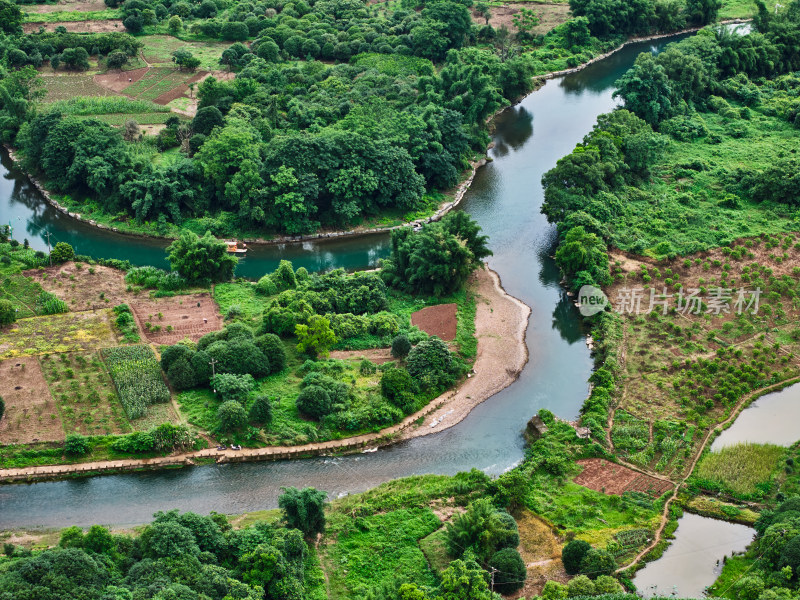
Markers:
point(137, 376)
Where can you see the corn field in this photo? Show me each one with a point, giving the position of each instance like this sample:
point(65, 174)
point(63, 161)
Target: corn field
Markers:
point(137, 376)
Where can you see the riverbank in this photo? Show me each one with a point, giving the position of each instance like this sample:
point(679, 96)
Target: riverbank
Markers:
point(500, 325)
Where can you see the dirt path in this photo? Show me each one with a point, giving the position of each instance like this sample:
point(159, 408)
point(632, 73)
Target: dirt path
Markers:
point(500, 325)
point(664, 516)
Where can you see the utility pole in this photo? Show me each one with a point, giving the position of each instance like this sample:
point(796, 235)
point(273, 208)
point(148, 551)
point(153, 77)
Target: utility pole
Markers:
point(492, 572)
point(213, 363)
point(47, 233)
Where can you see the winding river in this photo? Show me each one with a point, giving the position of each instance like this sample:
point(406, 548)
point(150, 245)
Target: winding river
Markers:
point(505, 198)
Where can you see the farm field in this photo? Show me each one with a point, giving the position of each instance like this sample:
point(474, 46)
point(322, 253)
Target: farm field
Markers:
point(87, 401)
point(604, 476)
point(745, 469)
point(692, 368)
point(158, 51)
point(65, 86)
point(31, 413)
point(137, 377)
point(69, 332)
point(551, 14)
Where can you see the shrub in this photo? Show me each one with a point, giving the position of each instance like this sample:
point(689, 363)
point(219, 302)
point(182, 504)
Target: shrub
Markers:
point(284, 276)
point(315, 338)
point(572, 555)
point(261, 410)
point(62, 252)
point(511, 571)
point(231, 416)
point(401, 346)
point(598, 562)
point(117, 59)
point(367, 367)
point(314, 401)
point(233, 387)
point(482, 528)
point(273, 348)
point(606, 584)
point(8, 314)
point(76, 445)
point(581, 586)
point(266, 286)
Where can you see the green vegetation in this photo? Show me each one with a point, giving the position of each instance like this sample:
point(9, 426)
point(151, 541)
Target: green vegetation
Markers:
point(137, 376)
point(743, 469)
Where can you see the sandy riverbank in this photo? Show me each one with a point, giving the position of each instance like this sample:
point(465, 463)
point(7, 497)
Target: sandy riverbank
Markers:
point(500, 324)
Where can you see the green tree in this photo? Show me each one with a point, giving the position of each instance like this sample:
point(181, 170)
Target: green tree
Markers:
point(206, 119)
point(117, 59)
point(396, 385)
point(598, 562)
point(401, 346)
point(572, 555)
point(303, 509)
point(314, 401)
point(581, 586)
point(646, 90)
point(261, 410)
point(185, 59)
point(431, 363)
point(702, 12)
point(174, 25)
point(274, 349)
point(168, 539)
point(98, 539)
point(10, 18)
point(234, 31)
point(201, 259)
point(464, 580)
point(8, 314)
point(583, 252)
point(315, 338)
point(62, 252)
point(510, 570)
point(231, 415)
point(483, 9)
point(482, 529)
point(230, 386)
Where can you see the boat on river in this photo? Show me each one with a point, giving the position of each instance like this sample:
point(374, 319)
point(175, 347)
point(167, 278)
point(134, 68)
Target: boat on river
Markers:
point(236, 249)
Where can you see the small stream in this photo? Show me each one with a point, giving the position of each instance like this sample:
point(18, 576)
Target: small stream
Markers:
point(694, 559)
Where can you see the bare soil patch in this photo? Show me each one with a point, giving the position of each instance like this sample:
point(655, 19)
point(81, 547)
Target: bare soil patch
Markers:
point(92, 26)
point(179, 317)
point(550, 16)
point(95, 5)
point(117, 81)
point(609, 478)
point(439, 320)
point(82, 289)
point(31, 414)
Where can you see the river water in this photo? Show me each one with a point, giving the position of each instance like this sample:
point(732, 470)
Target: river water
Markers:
point(694, 560)
point(505, 198)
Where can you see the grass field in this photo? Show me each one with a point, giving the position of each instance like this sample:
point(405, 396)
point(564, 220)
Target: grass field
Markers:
point(84, 393)
point(93, 105)
point(376, 549)
point(741, 468)
point(71, 15)
point(156, 82)
point(158, 51)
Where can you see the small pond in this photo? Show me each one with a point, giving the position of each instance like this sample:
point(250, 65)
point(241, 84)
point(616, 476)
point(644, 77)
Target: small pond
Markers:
point(694, 559)
point(772, 419)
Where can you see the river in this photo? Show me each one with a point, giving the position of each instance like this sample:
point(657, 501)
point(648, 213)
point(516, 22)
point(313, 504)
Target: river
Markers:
point(505, 198)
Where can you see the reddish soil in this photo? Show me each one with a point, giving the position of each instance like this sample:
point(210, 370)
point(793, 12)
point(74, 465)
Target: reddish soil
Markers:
point(604, 476)
point(104, 26)
point(117, 81)
point(439, 320)
point(190, 316)
point(180, 91)
point(31, 414)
